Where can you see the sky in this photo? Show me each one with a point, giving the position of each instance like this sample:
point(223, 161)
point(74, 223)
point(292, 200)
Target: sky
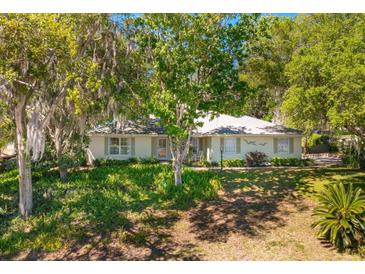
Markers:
point(282, 14)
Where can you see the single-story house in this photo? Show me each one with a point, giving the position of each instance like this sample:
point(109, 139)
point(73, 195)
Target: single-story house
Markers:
point(231, 136)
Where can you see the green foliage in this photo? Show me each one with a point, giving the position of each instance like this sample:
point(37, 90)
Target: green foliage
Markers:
point(318, 139)
point(7, 132)
point(9, 164)
point(133, 160)
point(191, 64)
point(234, 163)
point(352, 157)
point(203, 186)
point(340, 216)
point(279, 161)
point(91, 202)
point(268, 53)
point(256, 158)
point(326, 73)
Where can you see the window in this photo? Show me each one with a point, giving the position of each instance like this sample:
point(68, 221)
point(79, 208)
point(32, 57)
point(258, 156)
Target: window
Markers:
point(124, 147)
point(162, 148)
point(283, 145)
point(114, 146)
point(230, 145)
point(195, 145)
point(119, 146)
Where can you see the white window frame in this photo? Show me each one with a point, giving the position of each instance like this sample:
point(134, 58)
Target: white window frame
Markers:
point(195, 145)
point(113, 146)
point(162, 148)
point(232, 146)
point(283, 149)
point(120, 146)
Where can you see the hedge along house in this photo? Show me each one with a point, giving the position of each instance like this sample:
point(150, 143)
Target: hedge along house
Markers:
point(230, 136)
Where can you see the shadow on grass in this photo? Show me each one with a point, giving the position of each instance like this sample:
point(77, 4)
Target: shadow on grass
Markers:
point(106, 213)
point(119, 213)
point(257, 200)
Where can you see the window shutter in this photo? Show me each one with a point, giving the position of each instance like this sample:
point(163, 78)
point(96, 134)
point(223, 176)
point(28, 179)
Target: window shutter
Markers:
point(168, 152)
point(106, 146)
point(133, 147)
point(153, 147)
point(291, 145)
point(238, 145)
point(222, 144)
point(275, 145)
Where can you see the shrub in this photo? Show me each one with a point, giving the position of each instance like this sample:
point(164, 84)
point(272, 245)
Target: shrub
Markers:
point(278, 161)
point(133, 160)
point(202, 163)
point(214, 164)
point(340, 216)
point(9, 164)
point(150, 160)
point(256, 158)
point(318, 139)
point(196, 186)
point(353, 155)
point(234, 163)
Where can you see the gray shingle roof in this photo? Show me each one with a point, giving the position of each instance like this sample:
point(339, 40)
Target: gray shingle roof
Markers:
point(149, 126)
point(221, 125)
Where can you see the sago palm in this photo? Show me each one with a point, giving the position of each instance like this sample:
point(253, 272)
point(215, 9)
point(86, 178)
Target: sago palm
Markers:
point(340, 216)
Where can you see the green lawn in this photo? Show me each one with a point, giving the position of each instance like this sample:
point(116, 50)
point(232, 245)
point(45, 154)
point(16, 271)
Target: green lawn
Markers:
point(136, 213)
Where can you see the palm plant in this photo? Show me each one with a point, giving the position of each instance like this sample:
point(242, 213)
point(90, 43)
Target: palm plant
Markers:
point(340, 216)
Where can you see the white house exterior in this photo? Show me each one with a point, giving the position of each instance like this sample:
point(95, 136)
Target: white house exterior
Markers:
point(235, 135)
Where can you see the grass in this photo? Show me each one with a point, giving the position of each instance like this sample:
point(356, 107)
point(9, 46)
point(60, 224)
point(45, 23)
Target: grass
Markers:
point(134, 212)
point(96, 203)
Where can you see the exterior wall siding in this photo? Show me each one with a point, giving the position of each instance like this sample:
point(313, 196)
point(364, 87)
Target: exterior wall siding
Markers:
point(145, 147)
point(96, 147)
point(252, 143)
point(142, 148)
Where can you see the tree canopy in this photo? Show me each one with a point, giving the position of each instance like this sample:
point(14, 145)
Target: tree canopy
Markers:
point(327, 74)
point(192, 67)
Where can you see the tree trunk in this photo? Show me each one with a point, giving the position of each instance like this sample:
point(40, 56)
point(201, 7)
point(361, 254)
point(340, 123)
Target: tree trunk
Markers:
point(62, 172)
point(57, 139)
point(177, 172)
point(24, 163)
point(179, 151)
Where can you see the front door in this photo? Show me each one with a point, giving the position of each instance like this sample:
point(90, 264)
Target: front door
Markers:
point(162, 148)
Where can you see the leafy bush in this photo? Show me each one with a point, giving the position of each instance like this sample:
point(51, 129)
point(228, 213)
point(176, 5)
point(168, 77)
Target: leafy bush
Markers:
point(353, 155)
point(196, 186)
point(340, 216)
point(133, 160)
point(150, 160)
point(234, 163)
point(202, 163)
point(256, 158)
point(278, 161)
point(318, 139)
point(8, 165)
